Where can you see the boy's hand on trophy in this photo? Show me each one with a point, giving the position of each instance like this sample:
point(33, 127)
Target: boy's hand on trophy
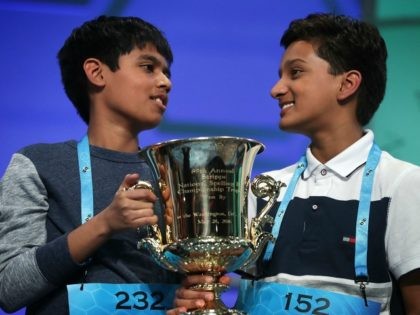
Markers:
point(187, 299)
point(131, 207)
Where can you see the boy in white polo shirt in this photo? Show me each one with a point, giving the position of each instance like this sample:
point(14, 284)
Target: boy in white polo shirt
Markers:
point(346, 225)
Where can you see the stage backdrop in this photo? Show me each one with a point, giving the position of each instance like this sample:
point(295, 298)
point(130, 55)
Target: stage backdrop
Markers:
point(226, 59)
point(396, 124)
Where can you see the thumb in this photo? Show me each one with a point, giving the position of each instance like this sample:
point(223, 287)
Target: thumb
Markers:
point(129, 180)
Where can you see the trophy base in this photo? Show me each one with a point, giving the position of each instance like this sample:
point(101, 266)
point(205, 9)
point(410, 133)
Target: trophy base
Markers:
point(215, 312)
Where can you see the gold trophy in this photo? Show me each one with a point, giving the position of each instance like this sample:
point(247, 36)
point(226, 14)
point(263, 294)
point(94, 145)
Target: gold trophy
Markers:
point(205, 182)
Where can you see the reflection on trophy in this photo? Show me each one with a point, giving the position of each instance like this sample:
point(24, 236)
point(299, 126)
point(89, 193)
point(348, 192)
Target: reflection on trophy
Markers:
point(204, 183)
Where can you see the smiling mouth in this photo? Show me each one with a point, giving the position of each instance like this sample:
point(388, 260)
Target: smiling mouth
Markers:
point(160, 100)
point(287, 105)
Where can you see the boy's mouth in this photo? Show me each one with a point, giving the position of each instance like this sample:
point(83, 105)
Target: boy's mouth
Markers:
point(160, 99)
point(287, 105)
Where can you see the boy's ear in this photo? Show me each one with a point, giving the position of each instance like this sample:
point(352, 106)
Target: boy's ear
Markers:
point(349, 84)
point(93, 69)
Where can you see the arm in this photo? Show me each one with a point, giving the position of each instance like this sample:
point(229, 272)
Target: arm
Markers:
point(129, 209)
point(403, 237)
point(30, 267)
point(23, 209)
point(410, 290)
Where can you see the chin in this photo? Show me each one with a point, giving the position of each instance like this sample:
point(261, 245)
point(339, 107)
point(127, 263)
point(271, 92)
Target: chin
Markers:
point(150, 124)
point(289, 128)
point(283, 126)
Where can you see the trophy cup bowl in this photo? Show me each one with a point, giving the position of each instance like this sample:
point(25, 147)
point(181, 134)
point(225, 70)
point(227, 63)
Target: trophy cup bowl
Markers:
point(204, 183)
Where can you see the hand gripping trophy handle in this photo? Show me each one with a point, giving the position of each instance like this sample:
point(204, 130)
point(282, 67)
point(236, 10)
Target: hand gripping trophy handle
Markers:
point(154, 241)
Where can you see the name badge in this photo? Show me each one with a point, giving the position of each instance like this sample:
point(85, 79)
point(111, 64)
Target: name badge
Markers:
point(121, 299)
point(265, 298)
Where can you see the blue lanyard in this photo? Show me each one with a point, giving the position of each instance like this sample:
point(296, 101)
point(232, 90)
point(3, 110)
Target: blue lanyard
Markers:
point(302, 164)
point(86, 186)
point(362, 226)
point(362, 222)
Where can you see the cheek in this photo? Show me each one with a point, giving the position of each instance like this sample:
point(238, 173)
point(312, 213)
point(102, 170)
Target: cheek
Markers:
point(321, 91)
point(140, 94)
point(131, 90)
point(141, 88)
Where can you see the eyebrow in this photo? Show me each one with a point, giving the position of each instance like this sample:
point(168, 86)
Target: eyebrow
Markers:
point(290, 62)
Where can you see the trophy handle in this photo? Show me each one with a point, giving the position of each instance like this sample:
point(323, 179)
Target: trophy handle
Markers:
point(154, 242)
point(264, 186)
point(152, 230)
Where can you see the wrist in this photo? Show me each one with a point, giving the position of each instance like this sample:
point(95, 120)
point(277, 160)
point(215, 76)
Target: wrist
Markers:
point(100, 225)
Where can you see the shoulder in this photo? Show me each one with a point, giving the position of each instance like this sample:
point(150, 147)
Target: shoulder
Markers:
point(394, 172)
point(48, 152)
point(29, 158)
point(400, 180)
point(393, 163)
point(48, 148)
point(51, 157)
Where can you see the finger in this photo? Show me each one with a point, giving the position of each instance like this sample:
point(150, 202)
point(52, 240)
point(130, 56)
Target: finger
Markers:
point(142, 194)
point(150, 220)
point(166, 194)
point(196, 279)
point(189, 304)
point(225, 279)
point(137, 200)
point(176, 311)
point(134, 209)
point(134, 213)
point(193, 295)
point(141, 189)
point(169, 219)
point(169, 215)
point(129, 180)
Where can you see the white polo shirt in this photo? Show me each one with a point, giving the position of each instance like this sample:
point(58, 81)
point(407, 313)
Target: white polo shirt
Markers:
point(315, 246)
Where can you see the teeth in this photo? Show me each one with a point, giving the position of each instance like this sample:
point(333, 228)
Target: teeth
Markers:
point(288, 105)
point(157, 99)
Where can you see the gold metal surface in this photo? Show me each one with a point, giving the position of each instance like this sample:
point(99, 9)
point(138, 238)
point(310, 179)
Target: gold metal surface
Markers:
point(204, 183)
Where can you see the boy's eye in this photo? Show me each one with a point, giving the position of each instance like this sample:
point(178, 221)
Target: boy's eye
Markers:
point(148, 67)
point(295, 72)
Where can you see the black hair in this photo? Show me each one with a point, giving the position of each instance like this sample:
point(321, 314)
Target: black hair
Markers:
point(347, 44)
point(105, 38)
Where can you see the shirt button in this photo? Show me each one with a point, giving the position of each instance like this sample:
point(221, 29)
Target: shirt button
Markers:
point(314, 207)
point(323, 172)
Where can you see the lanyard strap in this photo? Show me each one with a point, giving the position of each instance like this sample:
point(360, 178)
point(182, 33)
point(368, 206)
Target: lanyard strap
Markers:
point(302, 164)
point(363, 211)
point(85, 173)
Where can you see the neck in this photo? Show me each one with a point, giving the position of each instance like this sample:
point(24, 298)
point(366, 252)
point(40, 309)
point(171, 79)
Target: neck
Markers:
point(113, 139)
point(329, 144)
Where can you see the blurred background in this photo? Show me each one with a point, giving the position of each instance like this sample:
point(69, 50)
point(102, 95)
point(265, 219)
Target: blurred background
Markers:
point(226, 60)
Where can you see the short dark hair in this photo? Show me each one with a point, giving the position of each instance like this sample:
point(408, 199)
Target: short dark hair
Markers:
point(347, 44)
point(105, 38)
